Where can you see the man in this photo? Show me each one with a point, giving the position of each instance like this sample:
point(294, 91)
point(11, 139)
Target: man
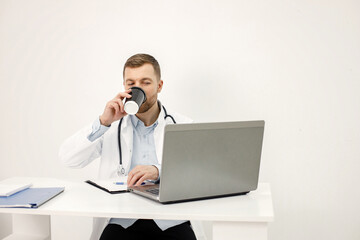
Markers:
point(141, 149)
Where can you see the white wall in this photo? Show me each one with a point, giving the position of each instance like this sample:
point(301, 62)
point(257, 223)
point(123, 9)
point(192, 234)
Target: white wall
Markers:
point(295, 64)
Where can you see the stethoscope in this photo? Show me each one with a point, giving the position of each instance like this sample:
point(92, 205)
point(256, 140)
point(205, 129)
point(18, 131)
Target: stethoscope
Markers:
point(121, 169)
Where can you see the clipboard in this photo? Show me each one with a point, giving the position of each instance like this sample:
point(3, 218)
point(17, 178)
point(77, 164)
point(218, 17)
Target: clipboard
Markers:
point(30, 198)
point(108, 186)
point(113, 185)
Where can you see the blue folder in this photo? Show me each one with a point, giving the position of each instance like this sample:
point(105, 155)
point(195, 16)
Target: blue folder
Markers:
point(30, 198)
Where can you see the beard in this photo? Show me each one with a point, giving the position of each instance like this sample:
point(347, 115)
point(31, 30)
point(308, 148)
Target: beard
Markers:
point(147, 105)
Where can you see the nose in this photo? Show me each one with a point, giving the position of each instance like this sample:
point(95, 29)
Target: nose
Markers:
point(136, 84)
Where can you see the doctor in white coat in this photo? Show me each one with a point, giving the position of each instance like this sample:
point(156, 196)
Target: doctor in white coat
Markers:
point(141, 136)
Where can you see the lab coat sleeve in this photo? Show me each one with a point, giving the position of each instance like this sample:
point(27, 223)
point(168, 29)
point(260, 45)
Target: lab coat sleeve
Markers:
point(78, 151)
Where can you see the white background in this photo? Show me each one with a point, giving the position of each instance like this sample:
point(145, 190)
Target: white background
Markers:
point(294, 64)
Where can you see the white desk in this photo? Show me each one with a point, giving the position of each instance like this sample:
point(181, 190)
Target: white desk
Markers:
point(238, 217)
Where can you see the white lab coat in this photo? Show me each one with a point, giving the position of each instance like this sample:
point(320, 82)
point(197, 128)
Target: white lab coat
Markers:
point(77, 151)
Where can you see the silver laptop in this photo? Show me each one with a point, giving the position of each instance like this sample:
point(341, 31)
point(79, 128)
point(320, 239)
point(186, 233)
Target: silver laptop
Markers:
point(207, 160)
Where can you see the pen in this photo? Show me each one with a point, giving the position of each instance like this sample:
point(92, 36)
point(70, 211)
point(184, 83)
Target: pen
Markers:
point(119, 183)
point(122, 183)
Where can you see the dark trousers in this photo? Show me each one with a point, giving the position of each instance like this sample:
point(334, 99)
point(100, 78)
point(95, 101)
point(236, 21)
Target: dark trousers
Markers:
point(147, 229)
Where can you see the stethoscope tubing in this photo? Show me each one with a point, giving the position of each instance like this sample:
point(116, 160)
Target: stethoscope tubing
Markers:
point(121, 170)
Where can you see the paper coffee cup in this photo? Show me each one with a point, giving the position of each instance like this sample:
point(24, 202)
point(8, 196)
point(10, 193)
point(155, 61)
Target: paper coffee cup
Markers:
point(133, 104)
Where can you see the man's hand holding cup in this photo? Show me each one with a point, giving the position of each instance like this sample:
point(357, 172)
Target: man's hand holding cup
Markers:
point(114, 109)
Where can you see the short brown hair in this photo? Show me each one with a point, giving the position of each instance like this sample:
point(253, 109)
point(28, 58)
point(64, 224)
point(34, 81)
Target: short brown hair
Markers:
point(140, 59)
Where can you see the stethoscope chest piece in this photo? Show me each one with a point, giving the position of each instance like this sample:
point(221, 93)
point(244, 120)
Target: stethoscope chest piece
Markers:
point(120, 171)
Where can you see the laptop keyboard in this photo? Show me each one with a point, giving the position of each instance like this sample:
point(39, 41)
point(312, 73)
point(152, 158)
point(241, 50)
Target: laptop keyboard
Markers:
point(154, 191)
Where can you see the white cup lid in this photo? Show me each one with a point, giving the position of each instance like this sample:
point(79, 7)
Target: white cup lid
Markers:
point(131, 107)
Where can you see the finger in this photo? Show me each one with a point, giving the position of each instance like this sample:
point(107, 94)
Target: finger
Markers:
point(141, 180)
point(132, 180)
point(126, 96)
point(121, 105)
point(115, 106)
point(118, 95)
point(111, 108)
point(131, 175)
point(122, 95)
point(135, 178)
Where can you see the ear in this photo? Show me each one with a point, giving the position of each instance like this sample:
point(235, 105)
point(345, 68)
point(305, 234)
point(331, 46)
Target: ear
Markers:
point(160, 85)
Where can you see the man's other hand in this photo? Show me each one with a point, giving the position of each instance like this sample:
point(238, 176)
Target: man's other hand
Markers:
point(141, 173)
